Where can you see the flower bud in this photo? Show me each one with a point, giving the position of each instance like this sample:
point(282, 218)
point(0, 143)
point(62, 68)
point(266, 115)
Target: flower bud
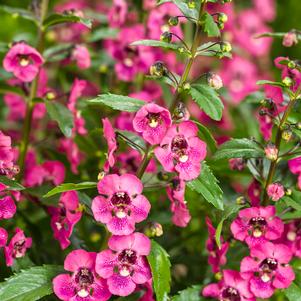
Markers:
point(153, 229)
point(298, 125)
point(180, 113)
point(287, 135)
point(50, 95)
point(173, 21)
point(158, 69)
point(166, 37)
point(191, 4)
point(290, 39)
point(287, 81)
point(226, 47)
point(241, 201)
point(162, 176)
point(218, 276)
point(288, 191)
point(186, 86)
point(222, 18)
point(291, 64)
point(181, 49)
point(275, 191)
point(215, 81)
point(101, 175)
point(271, 152)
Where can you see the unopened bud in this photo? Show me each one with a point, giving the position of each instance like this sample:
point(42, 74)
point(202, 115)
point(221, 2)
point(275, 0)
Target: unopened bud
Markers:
point(287, 81)
point(186, 86)
point(291, 64)
point(287, 135)
point(241, 201)
point(191, 4)
point(181, 49)
point(298, 125)
point(222, 18)
point(226, 47)
point(218, 276)
point(173, 21)
point(101, 175)
point(158, 69)
point(153, 229)
point(166, 37)
point(50, 95)
point(271, 152)
point(180, 113)
point(215, 81)
point(290, 39)
point(162, 176)
point(288, 191)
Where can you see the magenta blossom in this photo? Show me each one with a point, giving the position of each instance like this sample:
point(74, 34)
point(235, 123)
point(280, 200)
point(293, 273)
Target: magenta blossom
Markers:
point(81, 56)
point(7, 207)
point(120, 204)
point(181, 216)
point(231, 288)
point(290, 39)
point(217, 255)
point(110, 136)
point(275, 191)
point(152, 121)
point(125, 265)
point(65, 217)
point(83, 284)
point(182, 151)
point(295, 167)
point(3, 237)
point(17, 247)
point(24, 61)
point(257, 224)
point(117, 13)
point(267, 269)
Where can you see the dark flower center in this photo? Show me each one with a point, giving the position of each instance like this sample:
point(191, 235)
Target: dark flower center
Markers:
point(179, 147)
point(153, 119)
point(120, 200)
point(230, 294)
point(127, 256)
point(258, 225)
point(24, 60)
point(84, 278)
point(267, 267)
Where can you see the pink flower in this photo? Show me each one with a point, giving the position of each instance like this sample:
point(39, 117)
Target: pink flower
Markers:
point(257, 224)
point(3, 237)
point(275, 191)
point(24, 61)
point(217, 256)
point(181, 216)
point(267, 269)
point(232, 287)
point(266, 9)
point(65, 217)
point(120, 204)
point(55, 172)
point(7, 207)
point(215, 81)
point(125, 265)
point(182, 151)
point(83, 284)
point(117, 13)
point(237, 164)
point(295, 167)
point(254, 191)
point(110, 136)
point(17, 247)
point(81, 56)
point(152, 121)
point(271, 152)
point(290, 39)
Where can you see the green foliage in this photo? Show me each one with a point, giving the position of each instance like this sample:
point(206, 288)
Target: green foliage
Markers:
point(11, 184)
point(5, 88)
point(29, 285)
point(156, 43)
point(190, 294)
point(206, 135)
point(160, 267)
point(207, 185)
point(293, 293)
point(210, 27)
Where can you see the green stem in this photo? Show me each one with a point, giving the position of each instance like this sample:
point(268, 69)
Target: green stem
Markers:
point(33, 92)
point(278, 141)
point(145, 161)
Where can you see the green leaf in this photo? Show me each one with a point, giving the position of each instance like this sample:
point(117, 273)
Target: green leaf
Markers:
point(208, 100)
point(293, 293)
point(294, 203)
point(268, 82)
point(11, 184)
point(190, 294)
point(5, 88)
point(160, 267)
point(118, 102)
point(61, 115)
point(19, 12)
point(57, 52)
point(210, 26)
point(211, 49)
point(207, 185)
point(205, 135)
point(155, 43)
point(64, 18)
point(128, 137)
point(70, 186)
point(30, 284)
point(103, 33)
point(218, 232)
point(239, 148)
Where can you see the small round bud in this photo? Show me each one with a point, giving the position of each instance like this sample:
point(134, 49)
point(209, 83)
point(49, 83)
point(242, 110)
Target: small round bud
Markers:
point(241, 201)
point(101, 175)
point(153, 229)
point(226, 47)
point(180, 112)
point(162, 176)
point(166, 37)
point(288, 191)
point(158, 69)
point(191, 4)
point(95, 237)
point(181, 49)
point(287, 135)
point(50, 95)
point(290, 39)
point(222, 18)
point(103, 68)
point(298, 125)
point(291, 64)
point(287, 81)
point(173, 21)
point(218, 276)
point(271, 152)
point(215, 81)
point(186, 86)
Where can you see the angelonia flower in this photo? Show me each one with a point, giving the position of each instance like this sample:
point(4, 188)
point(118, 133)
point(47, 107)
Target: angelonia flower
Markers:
point(275, 191)
point(3, 237)
point(295, 167)
point(124, 265)
point(110, 136)
point(267, 268)
point(23, 61)
point(152, 121)
point(120, 204)
point(80, 54)
point(237, 164)
point(257, 224)
point(17, 247)
point(232, 287)
point(182, 151)
point(82, 283)
point(290, 39)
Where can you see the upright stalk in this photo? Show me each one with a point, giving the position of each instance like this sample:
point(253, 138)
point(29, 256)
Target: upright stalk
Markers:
point(32, 94)
point(278, 141)
point(148, 155)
